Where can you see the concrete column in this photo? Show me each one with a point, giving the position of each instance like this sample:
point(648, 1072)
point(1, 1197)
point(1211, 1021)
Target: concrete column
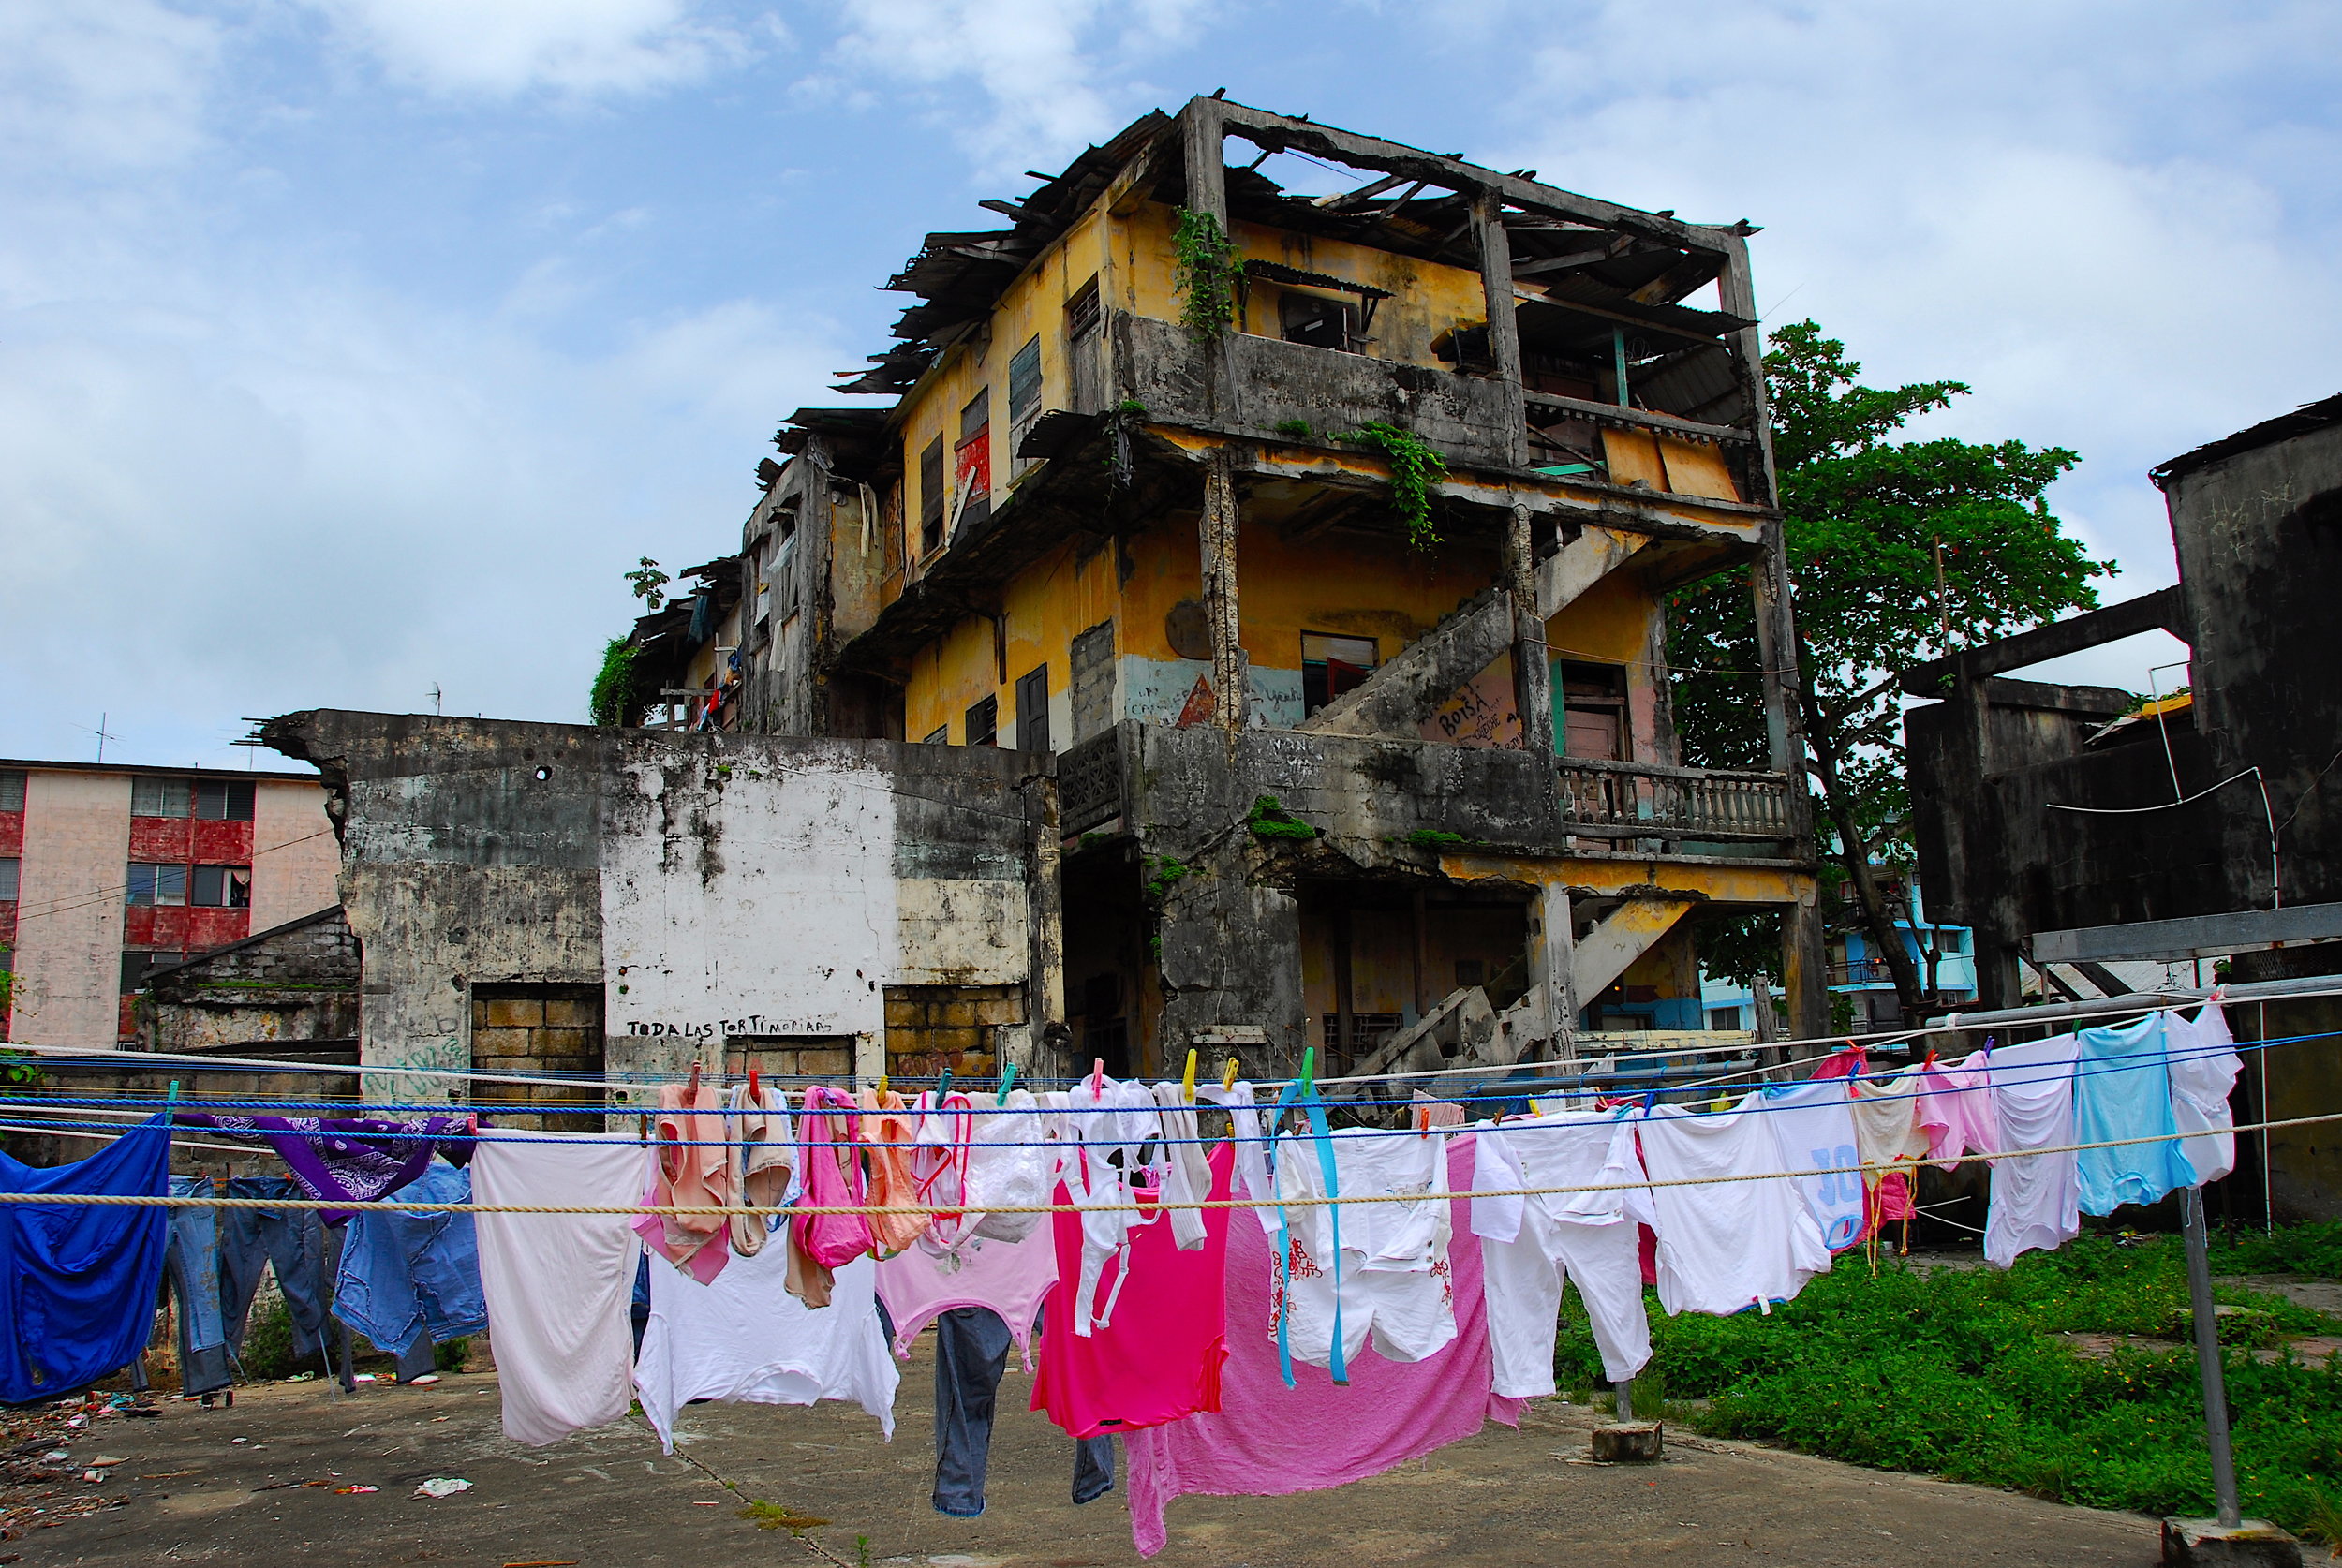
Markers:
point(1217, 535)
point(1201, 132)
point(1805, 969)
point(1552, 963)
point(1532, 673)
point(1044, 924)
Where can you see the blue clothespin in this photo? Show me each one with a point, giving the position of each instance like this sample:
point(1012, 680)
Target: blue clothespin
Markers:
point(944, 1084)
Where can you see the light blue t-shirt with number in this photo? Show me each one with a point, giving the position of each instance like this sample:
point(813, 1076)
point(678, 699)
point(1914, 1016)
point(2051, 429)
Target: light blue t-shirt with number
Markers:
point(2123, 1090)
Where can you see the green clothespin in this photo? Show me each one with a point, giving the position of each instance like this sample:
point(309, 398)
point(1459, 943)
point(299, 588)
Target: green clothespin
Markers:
point(944, 1084)
point(1008, 1076)
point(170, 1101)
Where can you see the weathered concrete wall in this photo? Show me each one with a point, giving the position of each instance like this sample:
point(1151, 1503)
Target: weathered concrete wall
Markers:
point(298, 982)
point(713, 886)
point(2259, 541)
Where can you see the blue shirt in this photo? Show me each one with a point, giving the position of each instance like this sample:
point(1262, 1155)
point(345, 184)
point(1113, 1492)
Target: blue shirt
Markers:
point(79, 1280)
point(2122, 1089)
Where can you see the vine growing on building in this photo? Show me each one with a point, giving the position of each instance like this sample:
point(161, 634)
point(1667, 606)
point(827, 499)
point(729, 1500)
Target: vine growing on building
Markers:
point(1206, 277)
point(1415, 469)
point(614, 703)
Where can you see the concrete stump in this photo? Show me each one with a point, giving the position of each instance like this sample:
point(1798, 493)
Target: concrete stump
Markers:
point(1630, 1443)
point(2205, 1544)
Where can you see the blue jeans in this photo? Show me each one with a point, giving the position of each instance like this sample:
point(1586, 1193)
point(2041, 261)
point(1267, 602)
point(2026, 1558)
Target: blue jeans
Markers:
point(413, 1279)
point(288, 1240)
point(191, 1263)
point(972, 1346)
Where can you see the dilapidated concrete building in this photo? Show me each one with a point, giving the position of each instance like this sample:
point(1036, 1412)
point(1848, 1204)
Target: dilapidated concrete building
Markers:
point(2203, 826)
point(1241, 627)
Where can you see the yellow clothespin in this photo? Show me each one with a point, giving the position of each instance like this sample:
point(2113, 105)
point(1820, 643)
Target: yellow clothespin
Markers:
point(1187, 1082)
point(881, 1085)
point(1227, 1074)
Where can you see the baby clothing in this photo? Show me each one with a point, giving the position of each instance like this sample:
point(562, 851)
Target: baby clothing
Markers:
point(1812, 1129)
point(1009, 1278)
point(2204, 1065)
point(2123, 1091)
point(1394, 1281)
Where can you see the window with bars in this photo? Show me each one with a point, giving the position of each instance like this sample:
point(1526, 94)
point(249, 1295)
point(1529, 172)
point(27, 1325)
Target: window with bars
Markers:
point(984, 722)
point(11, 789)
point(9, 866)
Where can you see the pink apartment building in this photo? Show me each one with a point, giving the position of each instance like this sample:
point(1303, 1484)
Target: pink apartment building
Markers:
point(107, 871)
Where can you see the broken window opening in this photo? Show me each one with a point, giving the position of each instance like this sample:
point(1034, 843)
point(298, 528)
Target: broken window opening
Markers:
point(939, 735)
point(971, 461)
point(983, 723)
point(150, 885)
point(1332, 665)
point(1316, 321)
point(1024, 390)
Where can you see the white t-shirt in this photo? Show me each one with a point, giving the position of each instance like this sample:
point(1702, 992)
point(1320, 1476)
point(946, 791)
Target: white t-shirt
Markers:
point(1396, 1281)
point(1724, 1246)
point(558, 1286)
point(1812, 1129)
point(1529, 1246)
point(2204, 1065)
point(744, 1339)
point(2037, 1198)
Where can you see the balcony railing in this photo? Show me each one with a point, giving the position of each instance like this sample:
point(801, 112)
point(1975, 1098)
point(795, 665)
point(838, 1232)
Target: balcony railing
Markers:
point(1636, 800)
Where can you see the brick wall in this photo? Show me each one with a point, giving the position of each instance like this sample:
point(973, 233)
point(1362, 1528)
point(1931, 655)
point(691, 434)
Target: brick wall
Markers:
point(930, 1028)
point(537, 1028)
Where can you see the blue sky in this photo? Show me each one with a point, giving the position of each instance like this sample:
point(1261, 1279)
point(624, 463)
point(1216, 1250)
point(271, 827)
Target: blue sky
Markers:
point(349, 348)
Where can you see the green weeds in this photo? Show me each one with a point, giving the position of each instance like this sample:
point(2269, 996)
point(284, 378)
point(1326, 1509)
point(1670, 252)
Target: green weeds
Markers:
point(1962, 1373)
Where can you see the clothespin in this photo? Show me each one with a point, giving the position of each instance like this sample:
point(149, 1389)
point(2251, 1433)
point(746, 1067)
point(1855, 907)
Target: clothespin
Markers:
point(756, 1094)
point(1097, 1076)
point(170, 1100)
point(692, 1091)
point(943, 1083)
point(1228, 1075)
point(1187, 1082)
point(1008, 1076)
point(881, 1085)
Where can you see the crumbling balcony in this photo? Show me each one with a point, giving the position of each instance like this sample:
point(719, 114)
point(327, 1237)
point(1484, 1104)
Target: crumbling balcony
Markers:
point(1643, 800)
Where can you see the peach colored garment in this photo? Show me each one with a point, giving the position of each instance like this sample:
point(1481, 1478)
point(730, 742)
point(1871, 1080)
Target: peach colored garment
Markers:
point(889, 1131)
point(694, 1169)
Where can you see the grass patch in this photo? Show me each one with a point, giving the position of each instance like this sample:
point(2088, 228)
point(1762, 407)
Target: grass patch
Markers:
point(1961, 1374)
point(2314, 1250)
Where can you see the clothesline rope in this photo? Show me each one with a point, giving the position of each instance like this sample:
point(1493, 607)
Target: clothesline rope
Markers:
point(2021, 1074)
point(868, 1210)
point(2166, 1000)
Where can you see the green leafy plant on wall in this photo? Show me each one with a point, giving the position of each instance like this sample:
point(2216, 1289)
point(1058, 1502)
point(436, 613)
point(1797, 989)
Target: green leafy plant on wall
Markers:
point(1268, 819)
point(615, 704)
point(649, 583)
point(1207, 273)
point(1415, 469)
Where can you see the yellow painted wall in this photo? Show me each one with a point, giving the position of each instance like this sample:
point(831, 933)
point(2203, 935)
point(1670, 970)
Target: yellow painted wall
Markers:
point(1033, 305)
point(1610, 623)
point(1428, 299)
point(1349, 584)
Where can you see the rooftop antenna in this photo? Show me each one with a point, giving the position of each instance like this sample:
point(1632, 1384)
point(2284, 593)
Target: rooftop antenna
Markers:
point(437, 698)
point(103, 735)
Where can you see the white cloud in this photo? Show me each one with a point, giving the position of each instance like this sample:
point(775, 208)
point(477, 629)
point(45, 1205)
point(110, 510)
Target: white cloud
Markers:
point(2108, 223)
point(1054, 74)
point(90, 86)
point(500, 48)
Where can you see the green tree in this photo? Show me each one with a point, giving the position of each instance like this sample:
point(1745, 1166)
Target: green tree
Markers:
point(1899, 552)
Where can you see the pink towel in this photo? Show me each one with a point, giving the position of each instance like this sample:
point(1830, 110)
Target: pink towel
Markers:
point(1267, 1439)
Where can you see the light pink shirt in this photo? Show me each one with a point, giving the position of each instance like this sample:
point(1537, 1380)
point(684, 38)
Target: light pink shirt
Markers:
point(1010, 1278)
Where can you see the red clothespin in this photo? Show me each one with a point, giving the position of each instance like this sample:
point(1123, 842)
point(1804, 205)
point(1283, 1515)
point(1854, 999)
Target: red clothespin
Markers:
point(756, 1091)
point(1097, 1076)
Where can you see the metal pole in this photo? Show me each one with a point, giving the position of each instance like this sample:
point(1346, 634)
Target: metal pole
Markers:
point(1625, 1391)
point(2208, 1358)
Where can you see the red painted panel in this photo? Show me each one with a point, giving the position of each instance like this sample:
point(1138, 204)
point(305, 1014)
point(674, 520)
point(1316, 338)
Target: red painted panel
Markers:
point(12, 833)
point(180, 928)
point(209, 928)
point(129, 1024)
point(7, 923)
point(222, 843)
point(161, 839)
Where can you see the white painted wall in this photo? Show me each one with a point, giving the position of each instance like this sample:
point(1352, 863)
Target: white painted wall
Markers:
point(753, 902)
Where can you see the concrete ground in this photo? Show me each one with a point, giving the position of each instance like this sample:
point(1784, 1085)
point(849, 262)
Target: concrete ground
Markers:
point(190, 1493)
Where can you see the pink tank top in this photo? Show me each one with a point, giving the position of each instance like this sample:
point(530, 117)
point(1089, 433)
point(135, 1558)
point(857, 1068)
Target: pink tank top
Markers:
point(833, 1174)
point(1158, 1359)
point(1010, 1278)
